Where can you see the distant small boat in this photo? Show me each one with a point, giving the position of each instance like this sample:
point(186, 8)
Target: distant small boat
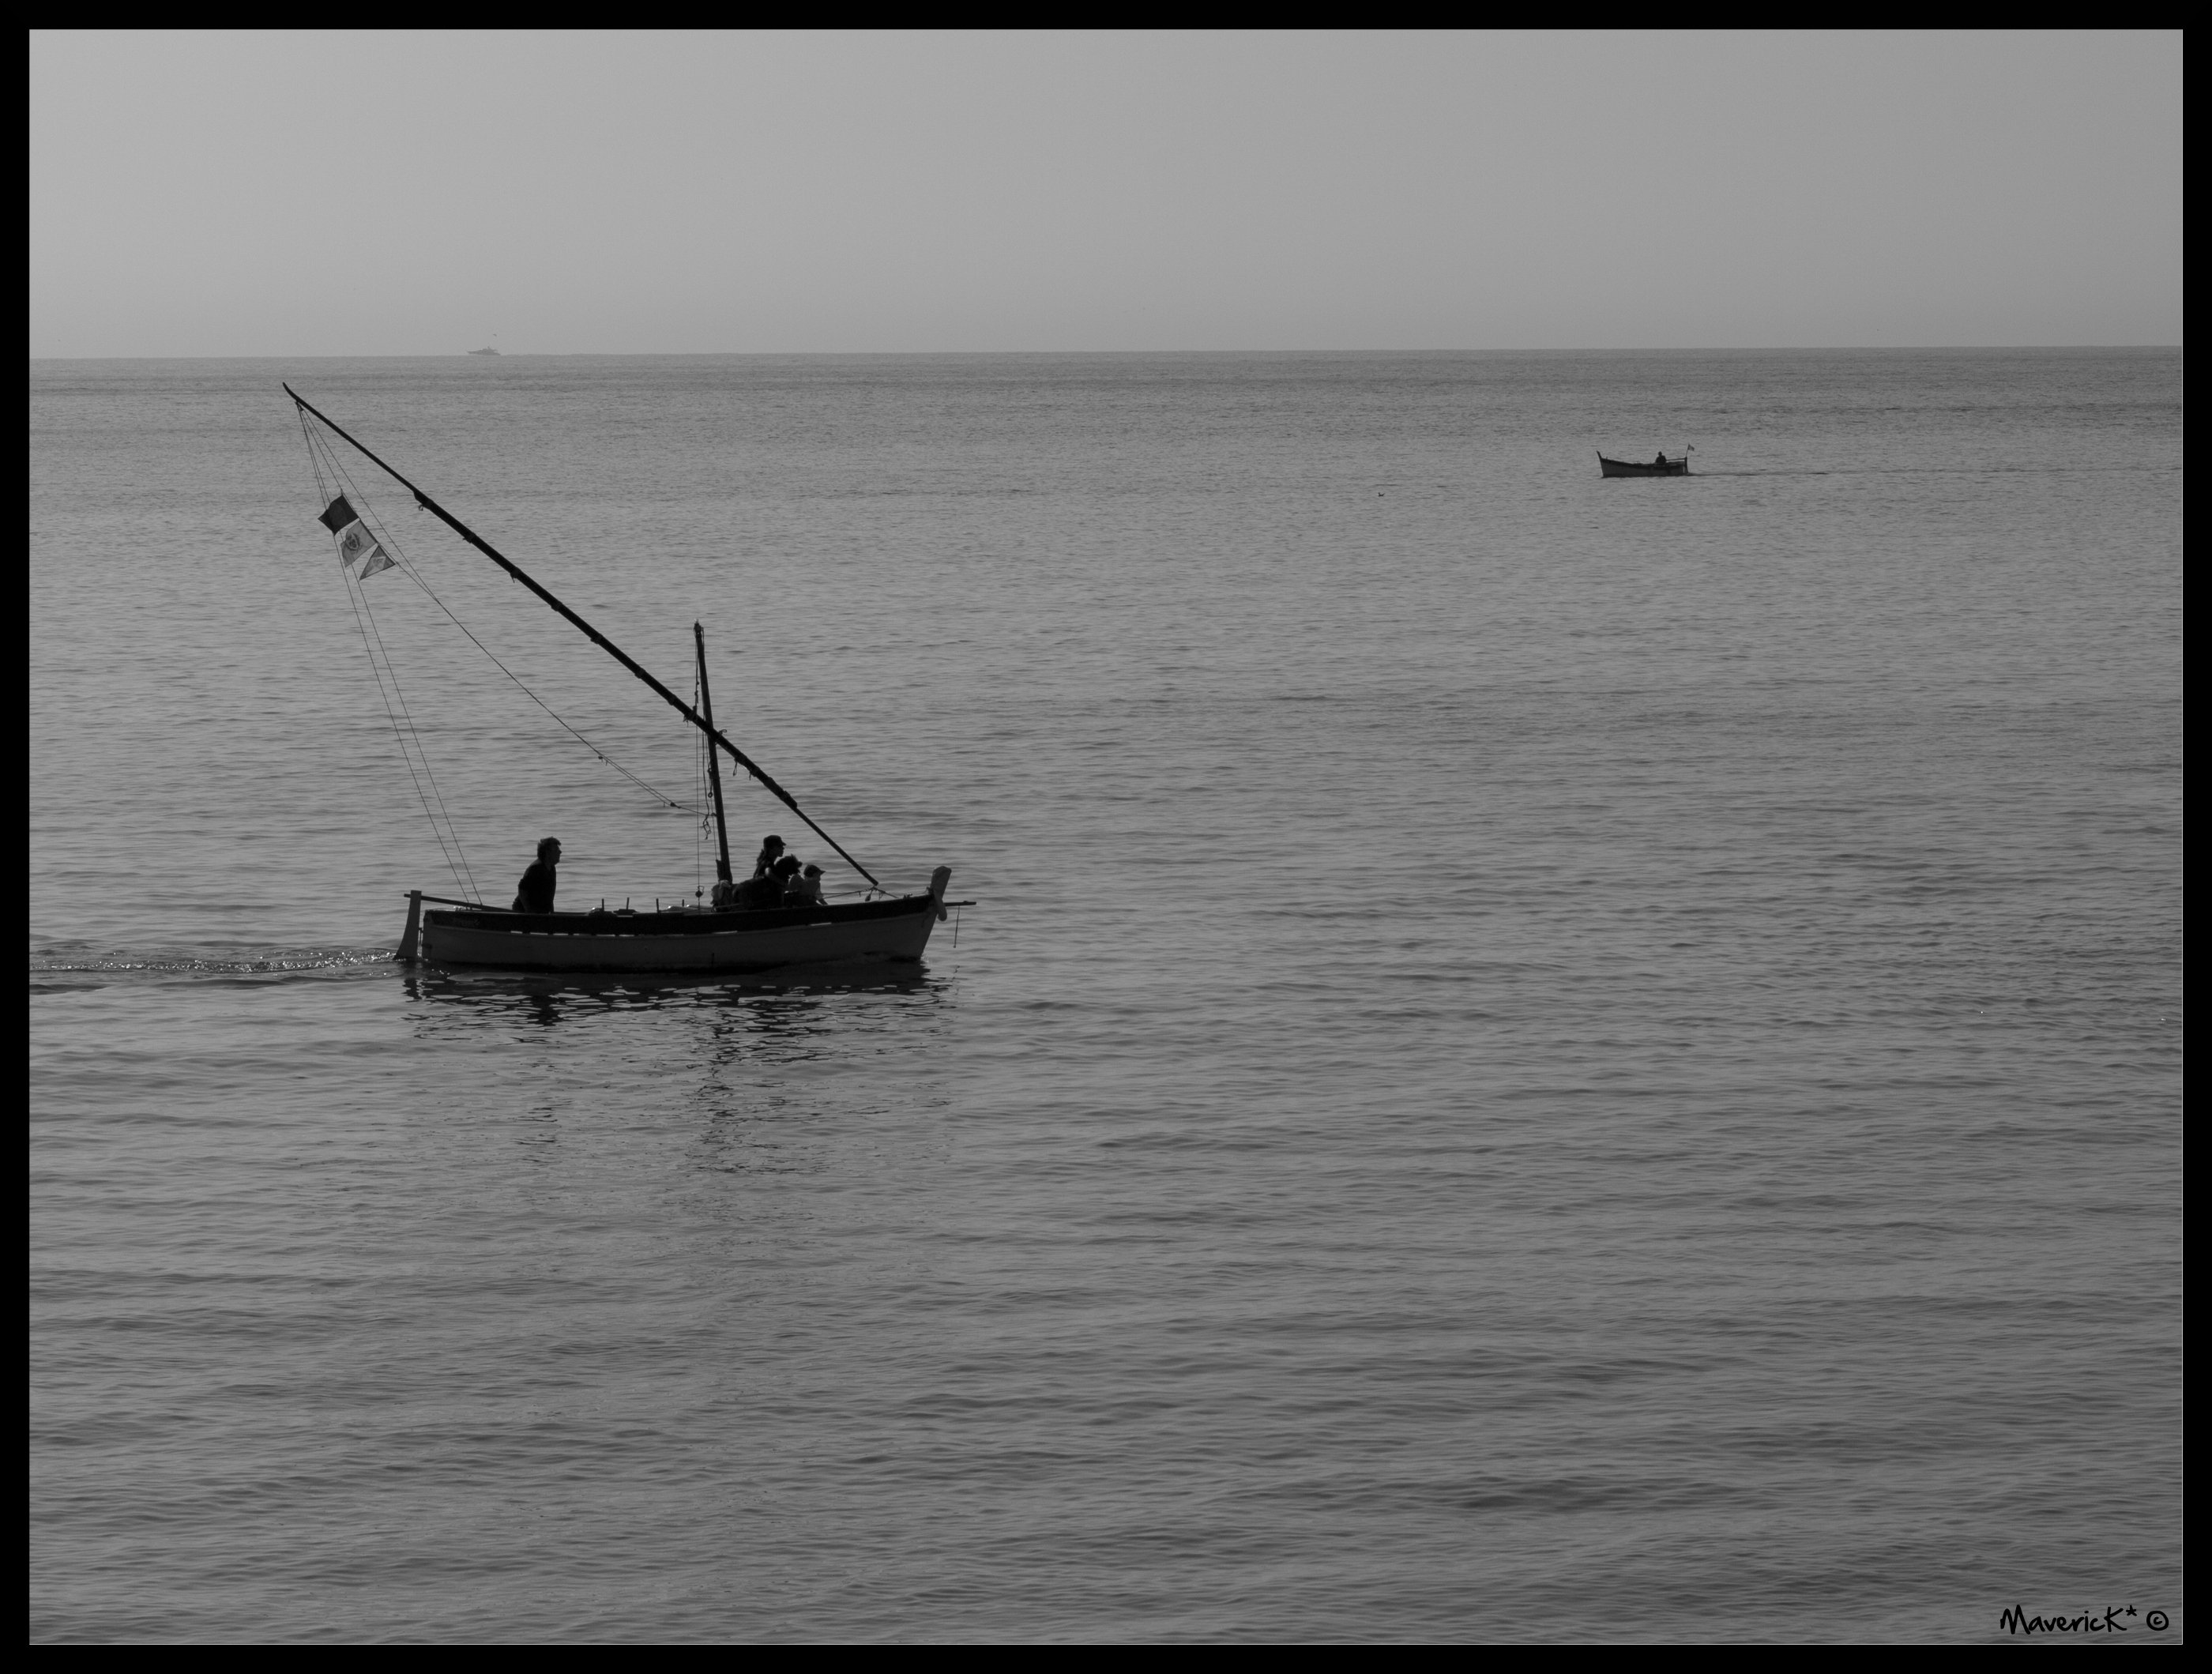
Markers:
point(1661, 466)
point(483, 351)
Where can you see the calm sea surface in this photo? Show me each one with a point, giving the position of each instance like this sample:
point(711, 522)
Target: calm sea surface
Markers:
point(1540, 1058)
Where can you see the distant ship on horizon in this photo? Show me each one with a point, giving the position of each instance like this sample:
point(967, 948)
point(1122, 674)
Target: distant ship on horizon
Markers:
point(483, 351)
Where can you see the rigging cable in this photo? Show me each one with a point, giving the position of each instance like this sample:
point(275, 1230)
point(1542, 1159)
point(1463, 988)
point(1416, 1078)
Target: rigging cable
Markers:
point(700, 746)
point(456, 858)
point(406, 567)
point(361, 611)
point(359, 593)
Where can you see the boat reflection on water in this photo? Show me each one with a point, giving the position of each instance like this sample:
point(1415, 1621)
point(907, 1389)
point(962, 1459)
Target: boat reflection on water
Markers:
point(818, 1074)
point(549, 999)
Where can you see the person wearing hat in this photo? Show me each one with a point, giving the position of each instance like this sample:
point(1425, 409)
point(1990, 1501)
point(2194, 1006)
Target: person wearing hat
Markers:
point(805, 890)
point(535, 892)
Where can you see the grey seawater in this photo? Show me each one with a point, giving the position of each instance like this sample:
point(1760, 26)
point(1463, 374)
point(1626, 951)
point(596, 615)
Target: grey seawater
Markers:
point(1540, 1058)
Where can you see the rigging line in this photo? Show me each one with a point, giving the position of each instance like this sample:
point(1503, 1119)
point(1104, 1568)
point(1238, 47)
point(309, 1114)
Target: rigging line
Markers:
point(400, 738)
point(452, 825)
point(515, 570)
point(322, 495)
point(406, 566)
point(419, 749)
point(463, 875)
point(362, 608)
point(358, 604)
point(698, 789)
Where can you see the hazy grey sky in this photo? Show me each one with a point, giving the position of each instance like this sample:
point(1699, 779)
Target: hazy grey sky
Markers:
point(328, 194)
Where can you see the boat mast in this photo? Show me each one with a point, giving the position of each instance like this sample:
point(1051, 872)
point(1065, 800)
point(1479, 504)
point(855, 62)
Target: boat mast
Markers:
point(591, 633)
point(713, 761)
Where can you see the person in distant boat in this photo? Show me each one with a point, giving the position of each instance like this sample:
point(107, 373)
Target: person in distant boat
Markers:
point(785, 874)
point(805, 890)
point(771, 849)
point(1662, 460)
point(535, 892)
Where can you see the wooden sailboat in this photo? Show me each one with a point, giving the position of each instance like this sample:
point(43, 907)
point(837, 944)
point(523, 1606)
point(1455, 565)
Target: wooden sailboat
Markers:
point(720, 937)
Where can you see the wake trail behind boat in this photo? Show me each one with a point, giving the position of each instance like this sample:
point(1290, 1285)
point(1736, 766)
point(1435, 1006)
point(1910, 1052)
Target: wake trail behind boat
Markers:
point(55, 970)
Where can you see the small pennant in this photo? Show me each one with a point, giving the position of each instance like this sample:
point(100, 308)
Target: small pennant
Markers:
point(355, 541)
point(338, 514)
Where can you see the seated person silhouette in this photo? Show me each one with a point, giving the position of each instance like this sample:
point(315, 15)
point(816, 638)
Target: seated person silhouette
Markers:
point(762, 889)
point(535, 892)
point(784, 872)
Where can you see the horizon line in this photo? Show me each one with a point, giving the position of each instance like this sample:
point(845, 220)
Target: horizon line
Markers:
point(917, 354)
